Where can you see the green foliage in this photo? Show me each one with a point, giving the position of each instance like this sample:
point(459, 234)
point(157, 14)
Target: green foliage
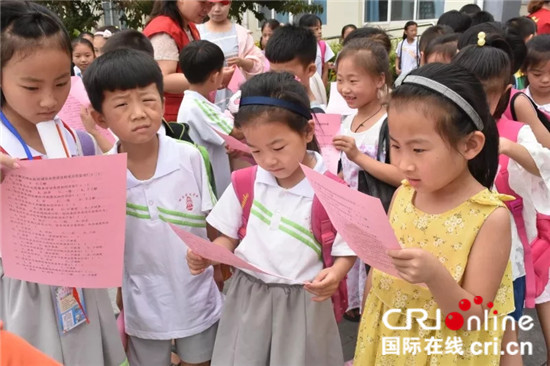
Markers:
point(83, 15)
point(76, 15)
point(239, 7)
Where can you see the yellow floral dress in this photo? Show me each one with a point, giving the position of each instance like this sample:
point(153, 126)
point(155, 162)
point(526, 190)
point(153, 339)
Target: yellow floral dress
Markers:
point(449, 236)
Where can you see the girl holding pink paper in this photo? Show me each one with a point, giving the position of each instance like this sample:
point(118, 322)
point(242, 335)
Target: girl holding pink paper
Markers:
point(267, 320)
point(455, 232)
point(363, 78)
point(36, 65)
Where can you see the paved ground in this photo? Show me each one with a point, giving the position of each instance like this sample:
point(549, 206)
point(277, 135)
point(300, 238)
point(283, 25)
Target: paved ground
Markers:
point(348, 334)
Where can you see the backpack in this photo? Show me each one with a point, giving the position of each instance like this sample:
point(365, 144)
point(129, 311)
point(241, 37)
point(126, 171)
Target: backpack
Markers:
point(510, 112)
point(372, 186)
point(323, 231)
point(537, 253)
point(180, 131)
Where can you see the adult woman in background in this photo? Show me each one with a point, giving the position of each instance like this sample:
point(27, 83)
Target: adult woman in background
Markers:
point(235, 41)
point(171, 28)
point(539, 11)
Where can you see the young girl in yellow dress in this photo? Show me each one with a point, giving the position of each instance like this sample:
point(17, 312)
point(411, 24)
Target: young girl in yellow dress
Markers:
point(454, 231)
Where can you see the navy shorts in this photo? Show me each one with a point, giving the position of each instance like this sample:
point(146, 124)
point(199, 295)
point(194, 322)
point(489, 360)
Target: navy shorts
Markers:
point(519, 297)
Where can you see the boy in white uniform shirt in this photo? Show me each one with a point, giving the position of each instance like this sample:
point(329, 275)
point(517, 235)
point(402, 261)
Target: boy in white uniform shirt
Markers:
point(166, 183)
point(202, 65)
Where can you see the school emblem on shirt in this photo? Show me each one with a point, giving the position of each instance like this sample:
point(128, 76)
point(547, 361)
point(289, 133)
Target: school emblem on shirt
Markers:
point(188, 197)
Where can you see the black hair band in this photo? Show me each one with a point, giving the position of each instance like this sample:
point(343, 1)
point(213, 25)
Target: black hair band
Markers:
point(293, 107)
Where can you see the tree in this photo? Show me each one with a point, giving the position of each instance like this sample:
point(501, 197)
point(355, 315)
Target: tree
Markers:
point(83, 15)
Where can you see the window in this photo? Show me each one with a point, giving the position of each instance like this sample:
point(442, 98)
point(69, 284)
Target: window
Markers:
point(288, 18)
point(397, 10)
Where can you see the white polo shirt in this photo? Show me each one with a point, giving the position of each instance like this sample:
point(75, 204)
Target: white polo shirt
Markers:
point(203, 117)
point(162, 300)
point(278, 234)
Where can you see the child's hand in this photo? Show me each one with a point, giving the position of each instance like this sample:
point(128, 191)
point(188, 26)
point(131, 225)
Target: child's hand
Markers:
point(235, 61)
point(7, 163)
point(196, 263)
point(415, 265)
point(347, 145)
point(227, 75)
point(87, 120)
point(324, 284)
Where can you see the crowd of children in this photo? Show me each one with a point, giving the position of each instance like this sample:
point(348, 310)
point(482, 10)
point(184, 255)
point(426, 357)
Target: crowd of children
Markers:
point(457, 149)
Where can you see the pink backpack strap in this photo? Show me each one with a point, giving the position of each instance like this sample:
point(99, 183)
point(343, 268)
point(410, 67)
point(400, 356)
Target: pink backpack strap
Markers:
point(323, 47)
point(325, 233)
point(243, 184)
point(510, 130)
point(540, 248)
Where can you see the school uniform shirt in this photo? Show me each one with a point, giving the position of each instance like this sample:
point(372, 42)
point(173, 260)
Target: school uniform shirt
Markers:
point(278, 234)
point(203, 117)
point(367, 143)
point(408, 53)
point(162, 300)
point(320, 60)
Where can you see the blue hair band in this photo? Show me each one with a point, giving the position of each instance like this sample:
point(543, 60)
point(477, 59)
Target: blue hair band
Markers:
point(293, 107)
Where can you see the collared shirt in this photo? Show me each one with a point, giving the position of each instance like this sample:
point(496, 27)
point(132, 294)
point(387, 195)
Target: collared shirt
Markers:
point(278, 234)
point(162, 300)
point(203, 117)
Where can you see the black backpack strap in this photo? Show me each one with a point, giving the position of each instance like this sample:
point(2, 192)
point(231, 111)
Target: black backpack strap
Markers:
point(543, 118)
point(384, 142)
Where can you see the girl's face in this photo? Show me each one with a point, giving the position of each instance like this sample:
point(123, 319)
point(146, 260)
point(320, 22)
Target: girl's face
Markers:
point(99, 42)
point(267, 32)
point(427, 161)
point(357, 86)
point(317, 30)
point(194, 10)
point(410, 32)
point(82, 56)
point(36, 84)
point(220, 11)
point(539, 79)
point(278, 149)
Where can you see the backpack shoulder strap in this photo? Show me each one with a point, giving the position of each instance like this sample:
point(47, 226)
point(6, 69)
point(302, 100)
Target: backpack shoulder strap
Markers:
point(383, 142)
point(243, 184)
point(86, 143)
point(323, 47)
point(321, 226)
point(510, 129)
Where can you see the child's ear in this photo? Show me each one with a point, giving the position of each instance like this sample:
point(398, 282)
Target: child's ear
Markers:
point(215, 76)
point(473, 144)
point(311, 69)
point(98, 118)
point(310, 130)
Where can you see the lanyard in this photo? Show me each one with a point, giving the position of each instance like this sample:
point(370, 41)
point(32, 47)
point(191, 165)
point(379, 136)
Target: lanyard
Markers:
point(12, 129)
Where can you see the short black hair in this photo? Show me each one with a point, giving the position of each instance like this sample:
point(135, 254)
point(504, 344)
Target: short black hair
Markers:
point(470, 9)
point(482, 17)
point(456, 20)
point(199, 59)
point(432, 33)
point(120, 69)
point(445, 45)
point(290, 42)
point(129, 38)
point(523, 26)
point(309, 20)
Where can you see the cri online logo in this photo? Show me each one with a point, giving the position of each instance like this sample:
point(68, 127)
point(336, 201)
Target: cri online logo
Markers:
point(455, 320)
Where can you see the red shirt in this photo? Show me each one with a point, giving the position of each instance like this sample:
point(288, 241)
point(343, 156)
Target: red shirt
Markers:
point(542, 18)
point(164, 24)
